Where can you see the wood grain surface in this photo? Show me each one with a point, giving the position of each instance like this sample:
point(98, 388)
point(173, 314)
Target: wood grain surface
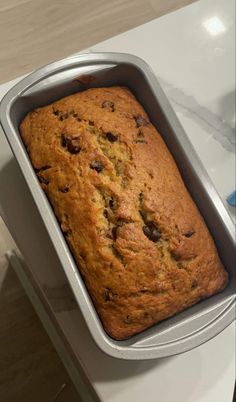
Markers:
point(30, 369)
point(36, 32)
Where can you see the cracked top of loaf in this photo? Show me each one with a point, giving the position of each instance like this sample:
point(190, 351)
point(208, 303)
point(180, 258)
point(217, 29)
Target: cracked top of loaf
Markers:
point(137, 237)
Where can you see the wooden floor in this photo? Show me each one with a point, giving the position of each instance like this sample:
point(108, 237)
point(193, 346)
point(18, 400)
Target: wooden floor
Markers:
point(30, 369)
point(35, 32)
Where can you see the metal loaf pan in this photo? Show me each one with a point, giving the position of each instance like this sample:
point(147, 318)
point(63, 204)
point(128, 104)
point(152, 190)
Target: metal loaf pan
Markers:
point(198, 323)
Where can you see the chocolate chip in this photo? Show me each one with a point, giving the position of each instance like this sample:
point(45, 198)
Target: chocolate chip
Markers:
point(142, 213)
point(75, 115)
point(62, 116)
point(151, 174)
point(140, 200)
point(97, 165)
point(114, 232)
point(107, 294)
point(189, 234)
point(105, 213)
point(111, 137)
point(64, 140)
point(150, 230)
point(141, 141)
point(145, 290)
point(46, 167)
point(64, 189)
point(128, 319)
point(43, 179)
point(194, 283)
point(140, 137)
point(108, 105)
point(146, 314)
point(111, 233)
point(112, 203)
point(140, 121)
point(72, 144)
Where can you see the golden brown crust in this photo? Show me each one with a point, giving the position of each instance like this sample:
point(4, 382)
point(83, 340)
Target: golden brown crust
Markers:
point(140, 243)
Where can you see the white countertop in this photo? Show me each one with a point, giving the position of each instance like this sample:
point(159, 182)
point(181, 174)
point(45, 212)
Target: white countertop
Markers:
point(192, 52)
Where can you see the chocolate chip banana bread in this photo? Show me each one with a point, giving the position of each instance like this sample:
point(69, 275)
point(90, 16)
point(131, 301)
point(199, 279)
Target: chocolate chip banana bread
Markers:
point(139, 240)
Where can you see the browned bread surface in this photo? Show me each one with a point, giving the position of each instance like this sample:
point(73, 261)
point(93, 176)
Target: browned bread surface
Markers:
point(140, 243)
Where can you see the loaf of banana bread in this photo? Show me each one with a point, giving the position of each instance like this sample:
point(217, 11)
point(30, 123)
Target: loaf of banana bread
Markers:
point(137, 237)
